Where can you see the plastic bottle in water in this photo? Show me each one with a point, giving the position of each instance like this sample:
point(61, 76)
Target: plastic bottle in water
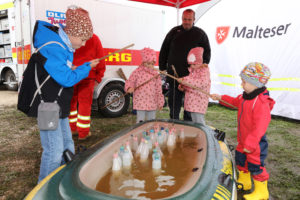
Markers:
point(160, 138)
point(149, 142)
point(156, 128)
point(152, 135)
point(145, 152)
point(181, 134)
point(174, 135)
point(116, 162)
point(140, 147)
point(144, 134)
point(166, 136)
point(153, 152)
point(156, 162)
point(157, 149)
point(135, 143)
point(171, 140)
point(126, 159)
point(129, 149)
point(121, 151)
point(162, 130)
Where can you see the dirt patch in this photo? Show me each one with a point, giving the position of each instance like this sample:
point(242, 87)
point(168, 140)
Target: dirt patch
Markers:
point(8, 98)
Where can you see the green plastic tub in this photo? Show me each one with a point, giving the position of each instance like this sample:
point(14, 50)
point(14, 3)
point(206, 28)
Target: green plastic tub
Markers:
point(213, 179)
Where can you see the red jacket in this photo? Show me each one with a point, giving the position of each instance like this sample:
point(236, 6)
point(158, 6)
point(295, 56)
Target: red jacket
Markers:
point(254, 116)
point(90, 51)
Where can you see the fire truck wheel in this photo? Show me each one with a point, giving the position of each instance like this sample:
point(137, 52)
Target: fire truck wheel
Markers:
point(10, 80)
point(107, 95)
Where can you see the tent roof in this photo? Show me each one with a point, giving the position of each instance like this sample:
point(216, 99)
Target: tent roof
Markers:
point(173, 3)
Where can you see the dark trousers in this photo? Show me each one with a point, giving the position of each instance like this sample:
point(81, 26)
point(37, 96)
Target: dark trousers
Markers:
point(175, 96)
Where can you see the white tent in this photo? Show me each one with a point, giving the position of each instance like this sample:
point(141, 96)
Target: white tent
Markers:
point(245, 31)
point(265, 31)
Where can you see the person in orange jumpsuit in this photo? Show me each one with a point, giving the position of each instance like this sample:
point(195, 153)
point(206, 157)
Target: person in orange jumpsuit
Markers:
point(80, 113)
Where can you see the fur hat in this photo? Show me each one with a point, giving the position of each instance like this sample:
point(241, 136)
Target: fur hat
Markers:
point(195, 56)
point(78, 23)
point(148, 55)
point(256, 73)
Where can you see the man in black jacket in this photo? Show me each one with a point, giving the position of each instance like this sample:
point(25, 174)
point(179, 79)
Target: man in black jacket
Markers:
point(174, 50)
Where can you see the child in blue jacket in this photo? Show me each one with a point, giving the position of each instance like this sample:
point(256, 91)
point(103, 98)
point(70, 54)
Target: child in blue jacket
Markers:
point(55, 56)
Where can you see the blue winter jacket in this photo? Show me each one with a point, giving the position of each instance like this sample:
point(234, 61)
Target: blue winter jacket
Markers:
point(54, 60)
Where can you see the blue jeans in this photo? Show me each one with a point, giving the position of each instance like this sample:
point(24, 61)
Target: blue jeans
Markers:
point(54, 143)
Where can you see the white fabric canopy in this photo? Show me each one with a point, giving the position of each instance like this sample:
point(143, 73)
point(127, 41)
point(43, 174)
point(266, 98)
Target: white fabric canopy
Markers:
point(256, 31)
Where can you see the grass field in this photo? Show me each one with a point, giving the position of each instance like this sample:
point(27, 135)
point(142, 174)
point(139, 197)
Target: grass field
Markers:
point(20, 148)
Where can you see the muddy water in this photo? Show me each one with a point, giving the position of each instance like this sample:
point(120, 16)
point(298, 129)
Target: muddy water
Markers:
point(141, 182)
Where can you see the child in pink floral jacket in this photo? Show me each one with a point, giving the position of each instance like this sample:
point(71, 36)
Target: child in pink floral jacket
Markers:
point(195, 101)
point(148, 98)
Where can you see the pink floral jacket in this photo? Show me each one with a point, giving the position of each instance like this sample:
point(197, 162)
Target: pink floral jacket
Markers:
point(149, 96)
point(194, 100)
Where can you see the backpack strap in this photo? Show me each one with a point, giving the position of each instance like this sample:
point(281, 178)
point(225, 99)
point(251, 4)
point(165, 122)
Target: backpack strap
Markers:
point(38, 86)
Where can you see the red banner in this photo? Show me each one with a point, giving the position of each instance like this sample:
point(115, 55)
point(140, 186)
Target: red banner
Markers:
point(126, 57)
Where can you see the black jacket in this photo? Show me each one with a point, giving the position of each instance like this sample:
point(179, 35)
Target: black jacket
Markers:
point(177, 45)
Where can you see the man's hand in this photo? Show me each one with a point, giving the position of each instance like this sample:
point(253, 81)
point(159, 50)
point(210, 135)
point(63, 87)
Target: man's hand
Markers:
point(216, 97)
point(130, 90)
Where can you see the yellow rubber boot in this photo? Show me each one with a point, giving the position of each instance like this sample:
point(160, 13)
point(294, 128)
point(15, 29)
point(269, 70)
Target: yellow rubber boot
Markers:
point(260, 191)
point(245, 180)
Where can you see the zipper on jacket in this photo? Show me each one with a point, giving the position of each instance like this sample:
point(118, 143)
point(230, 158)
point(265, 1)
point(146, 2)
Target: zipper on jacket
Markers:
point(239, 120)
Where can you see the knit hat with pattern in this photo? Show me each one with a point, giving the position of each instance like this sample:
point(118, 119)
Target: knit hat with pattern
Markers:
point(195, 56)
point(256, 73)
point(78, 23)
point(148, 55)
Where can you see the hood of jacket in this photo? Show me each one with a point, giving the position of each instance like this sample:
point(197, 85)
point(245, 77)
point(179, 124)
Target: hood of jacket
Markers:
point(45, 32)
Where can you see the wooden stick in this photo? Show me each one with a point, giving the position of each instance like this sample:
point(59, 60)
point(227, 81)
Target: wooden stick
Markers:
point(175, 73)
point(116, 52)
point(194, 87)
point(128, 93)
point(121, 74)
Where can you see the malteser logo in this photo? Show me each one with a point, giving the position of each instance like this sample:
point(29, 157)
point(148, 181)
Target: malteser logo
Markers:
point(256, 32)
point(222, 33)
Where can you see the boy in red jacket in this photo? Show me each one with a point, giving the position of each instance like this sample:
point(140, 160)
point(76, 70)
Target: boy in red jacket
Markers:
point(254, 116)
point(81, 102)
